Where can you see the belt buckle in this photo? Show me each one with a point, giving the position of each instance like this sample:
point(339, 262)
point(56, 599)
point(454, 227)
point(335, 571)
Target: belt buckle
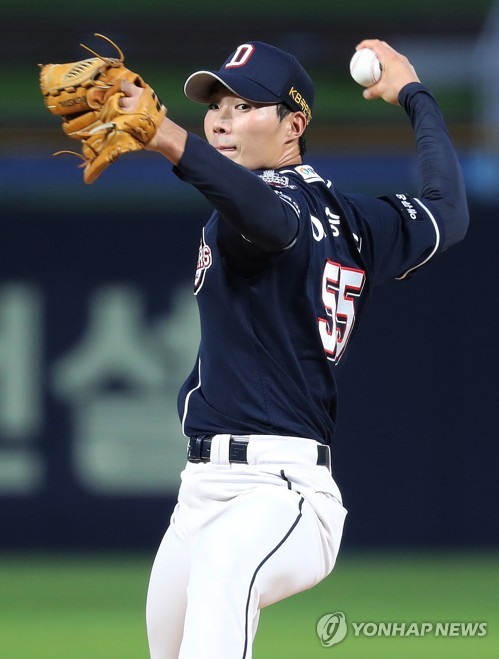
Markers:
point(238, 449)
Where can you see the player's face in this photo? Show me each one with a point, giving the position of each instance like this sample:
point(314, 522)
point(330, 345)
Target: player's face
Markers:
point(249, 133)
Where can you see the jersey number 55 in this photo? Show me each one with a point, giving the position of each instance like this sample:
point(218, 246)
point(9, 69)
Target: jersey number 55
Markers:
point(340, 287)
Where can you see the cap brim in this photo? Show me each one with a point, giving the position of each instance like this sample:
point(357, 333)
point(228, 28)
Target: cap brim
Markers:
point(199, 87)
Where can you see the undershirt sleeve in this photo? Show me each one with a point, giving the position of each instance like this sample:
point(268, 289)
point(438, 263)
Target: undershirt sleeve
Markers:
point(440, 177)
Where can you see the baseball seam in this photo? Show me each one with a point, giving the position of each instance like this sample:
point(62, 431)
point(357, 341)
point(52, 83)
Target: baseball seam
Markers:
point(372, 69)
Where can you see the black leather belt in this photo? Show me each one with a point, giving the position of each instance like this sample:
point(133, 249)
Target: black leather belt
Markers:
point(199, 450)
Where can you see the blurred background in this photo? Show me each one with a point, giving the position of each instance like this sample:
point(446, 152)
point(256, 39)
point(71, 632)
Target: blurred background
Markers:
point(98, 324)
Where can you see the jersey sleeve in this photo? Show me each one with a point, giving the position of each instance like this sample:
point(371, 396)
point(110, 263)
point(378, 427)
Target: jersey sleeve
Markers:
point(401, 232)
point(249, 257)
point(242, 199)
point(441, 182)
point(398, 233)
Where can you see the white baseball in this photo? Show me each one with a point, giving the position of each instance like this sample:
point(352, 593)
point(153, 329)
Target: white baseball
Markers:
point(365, 67)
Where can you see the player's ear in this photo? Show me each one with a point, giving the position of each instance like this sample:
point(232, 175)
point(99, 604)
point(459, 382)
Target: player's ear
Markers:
point(297, 124)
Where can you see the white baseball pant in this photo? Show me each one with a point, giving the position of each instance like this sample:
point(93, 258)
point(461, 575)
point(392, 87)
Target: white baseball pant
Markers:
point(241, 537)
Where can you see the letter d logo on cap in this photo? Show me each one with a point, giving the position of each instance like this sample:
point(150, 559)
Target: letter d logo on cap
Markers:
point(241, 56)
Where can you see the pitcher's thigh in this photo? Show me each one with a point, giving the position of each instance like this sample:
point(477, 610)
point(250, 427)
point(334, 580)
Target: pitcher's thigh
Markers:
point(265, 546)
point(298, 562)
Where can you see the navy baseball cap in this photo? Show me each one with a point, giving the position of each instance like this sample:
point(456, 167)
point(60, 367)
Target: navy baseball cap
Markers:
point(261, 73)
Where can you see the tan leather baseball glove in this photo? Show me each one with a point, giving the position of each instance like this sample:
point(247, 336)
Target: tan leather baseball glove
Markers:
point(86, 95)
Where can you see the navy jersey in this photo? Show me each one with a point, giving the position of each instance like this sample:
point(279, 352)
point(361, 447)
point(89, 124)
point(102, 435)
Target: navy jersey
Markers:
point(274, 327)
point(274, 324)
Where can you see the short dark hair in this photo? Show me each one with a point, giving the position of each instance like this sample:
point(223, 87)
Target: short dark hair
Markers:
point(282, 111)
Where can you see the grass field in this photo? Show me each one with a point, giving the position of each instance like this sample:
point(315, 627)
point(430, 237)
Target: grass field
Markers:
point(92, 607)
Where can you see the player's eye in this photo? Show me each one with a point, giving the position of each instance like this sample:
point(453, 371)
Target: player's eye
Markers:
point(213, 106)
point(243, 106)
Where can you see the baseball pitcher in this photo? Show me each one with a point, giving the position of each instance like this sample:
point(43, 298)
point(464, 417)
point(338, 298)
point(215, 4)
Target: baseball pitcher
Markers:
point(285, 267)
